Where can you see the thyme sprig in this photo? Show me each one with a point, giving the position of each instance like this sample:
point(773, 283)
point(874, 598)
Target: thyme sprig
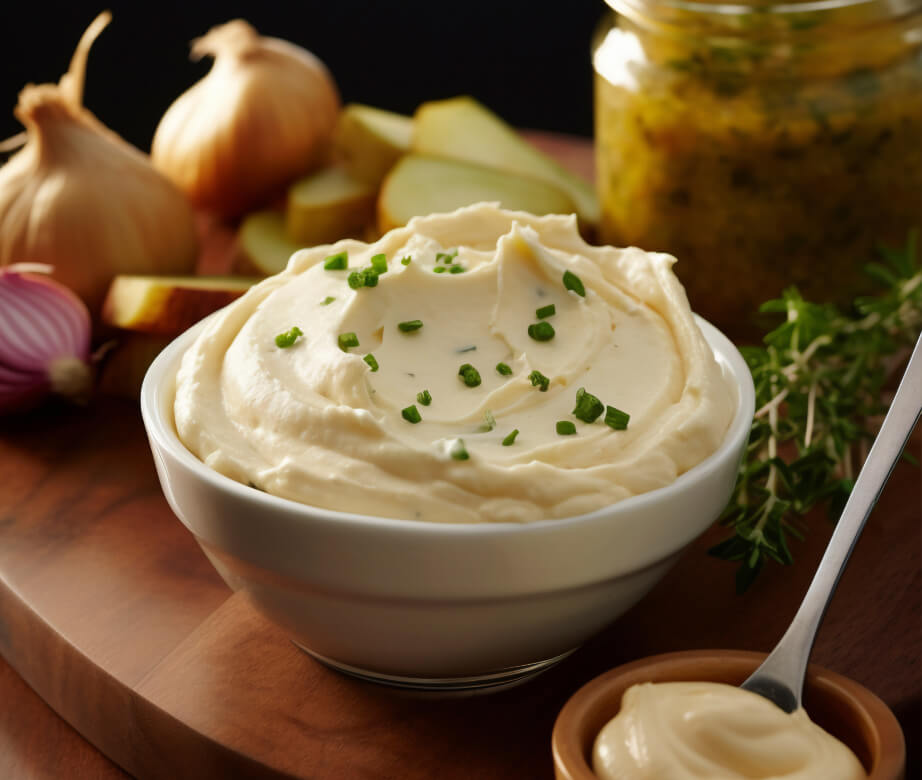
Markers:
point(819, 381)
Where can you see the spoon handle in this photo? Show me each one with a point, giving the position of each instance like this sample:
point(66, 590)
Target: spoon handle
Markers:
point(787, 663)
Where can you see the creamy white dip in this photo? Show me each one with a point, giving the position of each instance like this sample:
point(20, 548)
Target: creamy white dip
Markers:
point(704, 731)
point(314, 423)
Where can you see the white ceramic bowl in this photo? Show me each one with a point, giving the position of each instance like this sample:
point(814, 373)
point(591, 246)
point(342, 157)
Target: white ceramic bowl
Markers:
point(435, 605)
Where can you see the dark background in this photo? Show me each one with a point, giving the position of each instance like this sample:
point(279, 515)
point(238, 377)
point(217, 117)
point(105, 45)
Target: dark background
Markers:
point(528, 61)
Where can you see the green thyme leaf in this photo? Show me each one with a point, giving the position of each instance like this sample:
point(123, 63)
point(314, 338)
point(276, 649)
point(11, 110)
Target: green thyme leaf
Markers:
point(508, 441)
point(356, 279)
point(370, 359)
point(456, 269)
point(379, 264)
point(503, 369)
point(424, 397)
point(546, 311)
point(439, 269)
point(565, 428)
point(572, 282)
point(327, 301)
point(409, 326)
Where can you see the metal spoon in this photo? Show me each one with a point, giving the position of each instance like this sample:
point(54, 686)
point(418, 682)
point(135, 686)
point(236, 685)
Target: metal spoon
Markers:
point(780, 678)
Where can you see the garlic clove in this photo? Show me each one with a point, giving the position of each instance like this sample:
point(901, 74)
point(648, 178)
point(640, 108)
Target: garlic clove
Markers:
point(263, 116)
point(80, 198)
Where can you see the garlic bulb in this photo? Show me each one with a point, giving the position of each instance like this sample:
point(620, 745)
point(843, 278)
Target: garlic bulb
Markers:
point(44, 339)
point(262, 116)
point(81, 199)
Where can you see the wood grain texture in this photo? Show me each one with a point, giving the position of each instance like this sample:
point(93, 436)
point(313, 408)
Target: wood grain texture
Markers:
point(110, 611)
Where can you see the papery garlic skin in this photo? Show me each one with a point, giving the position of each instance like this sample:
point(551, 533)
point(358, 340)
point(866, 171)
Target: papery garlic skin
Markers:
point(262, 116)
point(81, 199)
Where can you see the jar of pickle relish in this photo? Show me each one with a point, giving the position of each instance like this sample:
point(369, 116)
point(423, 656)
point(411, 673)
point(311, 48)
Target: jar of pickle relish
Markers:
point(763, 145)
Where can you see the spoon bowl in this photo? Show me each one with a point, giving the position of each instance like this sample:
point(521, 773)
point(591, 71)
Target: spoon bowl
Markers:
point(843, 707)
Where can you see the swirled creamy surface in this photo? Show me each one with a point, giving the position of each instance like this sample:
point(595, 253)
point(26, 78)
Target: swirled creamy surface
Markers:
point(711, 731)
point(320, 423)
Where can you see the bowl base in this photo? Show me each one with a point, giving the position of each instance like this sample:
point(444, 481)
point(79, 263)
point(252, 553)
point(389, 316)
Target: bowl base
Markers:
point(482, 683)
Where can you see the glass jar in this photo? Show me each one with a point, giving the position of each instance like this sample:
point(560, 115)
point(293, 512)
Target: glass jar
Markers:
point(762, 145)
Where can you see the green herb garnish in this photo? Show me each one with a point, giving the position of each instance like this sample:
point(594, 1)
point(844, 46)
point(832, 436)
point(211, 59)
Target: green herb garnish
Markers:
point(327, 301)
point(469, 348)
point(541, 331)
point(285, 340)
point(379, 264)
point(546, 311)
point(565, 428)
point(458, 451)
point(425, 398)
point(819, 380)
point(337, 262)
point(409, 326)
point(406, 260)
point(572, 282)
point(588, 408)
point(539, 380)
point(356, 279)
point(411, 414)
point(489, 422)
point(370, 278)
point(503, 369)
point(347, 340)
point(439, 269)
point(469, 375)
point(456, 269)
point(370, 359)
point(615, 418)
point(507, 442)
point(446, 257)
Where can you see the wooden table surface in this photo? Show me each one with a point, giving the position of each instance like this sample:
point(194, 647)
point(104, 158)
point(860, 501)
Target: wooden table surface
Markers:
point(109, 611)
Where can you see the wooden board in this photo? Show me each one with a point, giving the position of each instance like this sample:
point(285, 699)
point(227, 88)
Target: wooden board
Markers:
point(111, 613)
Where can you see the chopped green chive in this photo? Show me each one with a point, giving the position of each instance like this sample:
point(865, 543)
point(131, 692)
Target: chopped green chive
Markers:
point(411, 414)
point(502, 368)
point(406, 260)
point(541, 331)
point(572, 282)
point(446, 257)
point(379, 264)
point(616, 419)
point(347, 340)
point(370, 359)
point(370, 278)
point(489, 422)
point(456, 269)
point(469, 375)
point(285, 340)
point(409, 326)
point(539, 380)
point(546, 311)
point(458, 451)
point(507, 442)
point(588, 408)
point(565, 428)
point(439, 269)
point(327, 301)
point(425, 397)
point(356, 279)
point(337, 262)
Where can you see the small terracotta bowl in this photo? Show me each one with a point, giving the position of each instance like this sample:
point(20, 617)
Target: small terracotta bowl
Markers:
point(844, 708)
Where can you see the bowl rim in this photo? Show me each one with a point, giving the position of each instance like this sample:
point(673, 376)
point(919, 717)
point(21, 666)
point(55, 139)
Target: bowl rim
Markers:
point(160, 379)
point(888, 749)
